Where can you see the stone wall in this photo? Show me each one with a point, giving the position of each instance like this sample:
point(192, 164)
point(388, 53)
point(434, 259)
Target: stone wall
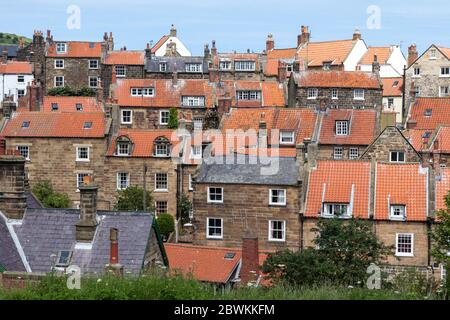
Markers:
point(326, 152)
point(133, 72)
point(12, 186)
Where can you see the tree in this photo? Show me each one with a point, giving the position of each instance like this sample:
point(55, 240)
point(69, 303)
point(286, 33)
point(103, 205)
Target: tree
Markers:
point(441, 239)
point(166, 224)
point(173, 119)
point(49, 198)
point(345, 248)
point(132, 199)
point(184, 207)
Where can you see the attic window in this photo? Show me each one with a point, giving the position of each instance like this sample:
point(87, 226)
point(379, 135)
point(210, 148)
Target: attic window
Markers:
point(428, 112)
point(61, 47)
point(161, 147)
point(123, 146)
point(64, 257)
point(91, 45)
point(79, 107)
point(426, 135)
point(395, 84)
point(327, 65)
point(230, 255)
point(397, 212)
point(87, 125)
point(25, 124)
point(342, 128)
point(55, 107)
point(335, 210)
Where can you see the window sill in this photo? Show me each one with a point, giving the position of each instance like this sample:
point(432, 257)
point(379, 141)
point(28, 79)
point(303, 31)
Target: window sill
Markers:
point(312, 98)
point(81, 160)
point(161, 190)
point(277, 204)
point(403, 219)
point(404, 255)
point(214, 238)
point(214, 202)
point(359, 99)
point(277, 240)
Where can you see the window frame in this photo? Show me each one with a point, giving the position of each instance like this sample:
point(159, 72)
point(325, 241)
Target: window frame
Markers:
point(245, 65)
point(56, 64)
point(120, 154)
point(209, 195)
point(444, 95)
point(339, 126)
point(58, 46)
point(342, 152)
point(271, 195)
point(334, 94)
point(78, 179)
point(161, 117)
point(190, 186)
point(55, 81)
point(327, 214)
point(119, 180)
point(359, 97)
point(404, 254)
point(353, 157)
point(77, 154)
point(121, 74)
point(156, 182)
point(161, 64)
point(97, 63)
point(96, 81)
point(312, 96)
point(271, 229)
point(193, 67)
point(291, 137)
point(27, 148)
point(392, 208)
point(208, 236)
point(122, 116)
point(398, 152)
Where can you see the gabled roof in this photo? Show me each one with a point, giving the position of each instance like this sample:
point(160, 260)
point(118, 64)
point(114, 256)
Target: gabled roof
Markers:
point(76, 49)
point(16, 67)
point(445, 51)
point(440, 113)
point(272, 93)
point(316, 53)
point(167, 95)
point(392, 87)
point(69, 104)
point(175, 64)
point(442, 188)
point(383, 54)
point(124, 57)
point(9, 254)
point(339, 182)
point(441, 142)
point(282, 53)
point(418, 138)
point(55, 125)
point(361, 129)
point(336, 79)
point(401, 184)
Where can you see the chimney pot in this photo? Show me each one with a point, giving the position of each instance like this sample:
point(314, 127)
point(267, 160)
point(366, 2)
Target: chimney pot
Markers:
point(304, 37)
point(114, 241)
point(270, 43)
point(357, 34)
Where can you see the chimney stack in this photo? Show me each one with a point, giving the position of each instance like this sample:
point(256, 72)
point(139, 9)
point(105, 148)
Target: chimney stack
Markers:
point(304, 37)
point(412, 54)
point(175, 78)
point(173, 31)
point(213, 48)
point(148, 51)
point(206, 52)
point(270, 43)
point(99, 91)
point(250, 259)
point(262, 132)
point(376, 66)
point(87, 224)
point(114, 266)
point(110, 42)
point(357, 34)
point(49, 37)
point(13, 201)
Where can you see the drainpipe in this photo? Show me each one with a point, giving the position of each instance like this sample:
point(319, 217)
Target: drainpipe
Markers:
point(429, 224)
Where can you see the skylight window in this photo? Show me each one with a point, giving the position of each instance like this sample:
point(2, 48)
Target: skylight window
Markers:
point(428, 112)
point(87, 125)
point(64, 257)
point(79, 107)
point(230, 255)
point(55, 107)
point(25, 124)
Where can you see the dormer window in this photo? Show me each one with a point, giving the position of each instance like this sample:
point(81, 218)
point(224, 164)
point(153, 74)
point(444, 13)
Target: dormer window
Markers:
point(327, 65)
point(194, 67)
point(143, 92)
point(193, 101)
point(79, 107)
point(286, 137)
point(248, 95)
point(61, 47)
point(244, 65)
point(397, 212)
point(162, 67)
point(161, 147)
point(55, 107)
point(123, 146)
point(289, 67)
point(335, 210)
point(225, 65)
point(342, 128)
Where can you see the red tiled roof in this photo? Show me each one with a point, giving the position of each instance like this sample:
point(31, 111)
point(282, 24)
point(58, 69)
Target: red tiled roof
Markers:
point(417, 139)
point(442, 188)
point(271, 68)
point(389, 90)
point(272, 93)
point(316, 53)
point(205, 263)
point(333, 182)
point(56, 125)
point(282, 53)
point(362, 126)
point(16, 67)
point(160, 43)
point(445, 51)
point(68, 104)
point(166, 94)
point(125, 58)
point(441, 143)
point(440, 113)
point(77, 49)
point(402, 184)
point(337, 79)
point(383, 55)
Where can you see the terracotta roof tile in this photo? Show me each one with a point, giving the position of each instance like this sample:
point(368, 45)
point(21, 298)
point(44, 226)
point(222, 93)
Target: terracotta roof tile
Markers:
point(362, 126)
point(445, 51)
point(77, 49)
point(316, 53)
point(442, 188)
point(418, 139)
point(441, 143)
point(440, 113)
point(383, 55)
point(125, 58)
point(69, 104)
point(333, 182)
point(391, 88)
point(401, 184)
point(56, 125)
point(337, 79)
point(16, 67)
point(160, 43)
point(282, 53)
point(272, 93)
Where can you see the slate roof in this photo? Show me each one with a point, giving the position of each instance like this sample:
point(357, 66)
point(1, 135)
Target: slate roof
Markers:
point(44, 232)
point(12, 50)
point(9, 256)
point(177, 64)
point(246, 169)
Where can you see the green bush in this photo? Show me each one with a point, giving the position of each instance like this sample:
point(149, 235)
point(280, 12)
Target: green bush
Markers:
point(166, 224)
point(184, 207)
point(49, 198)
point(173, 119)
point(132, 199)
point(42, 190)
point(67, 91)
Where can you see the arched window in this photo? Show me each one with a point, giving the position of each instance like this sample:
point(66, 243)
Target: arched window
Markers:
point(123, 146)
point(161, 147)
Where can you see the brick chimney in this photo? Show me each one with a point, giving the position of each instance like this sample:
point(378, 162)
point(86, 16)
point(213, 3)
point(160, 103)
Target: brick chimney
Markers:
point(99, 91)
point(282, 72)
point(206, 52)
point(213, 48)
point(148, 51)
point(173, 31)
point(87, 224)
point(224, 105)
point(412, 54)
point(262, 132)
point(49, 37)
point(250, 259)
point(270, 43)
point(110, 42)
point(411, 124)
point(34, 96)
point(174, 78)
point(4, 55)
point(304, 36)
point(114, 266)
point(357, 34)
point(13, 201)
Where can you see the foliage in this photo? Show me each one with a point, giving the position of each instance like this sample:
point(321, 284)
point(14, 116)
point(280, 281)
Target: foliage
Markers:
point(173, 119)
point(441, 239)
point(212, 120)
point(49, 198)
point(164, 287)
point(412, 282)
point(67, 91)
point(166, 224)
point(345, 248)
point(8, 38)
point(184, 207)
point(132, 199)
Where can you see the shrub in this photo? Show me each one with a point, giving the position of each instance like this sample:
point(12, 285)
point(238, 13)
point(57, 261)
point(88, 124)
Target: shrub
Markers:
point(184, 207)
point(132, 199)
point(49, 198)
point(166, 224)
point(67, 91)
point(173, 119)
point(42, 190)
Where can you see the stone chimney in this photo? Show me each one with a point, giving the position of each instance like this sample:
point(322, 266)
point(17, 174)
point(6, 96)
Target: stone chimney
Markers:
point(148, 51)
point(173, 31)
point(99, 91)
point(87, 224)
point(8, 107)
point(213, 48)
point(13, 201)
point(270, 43)
point(376, 66)
point(4, 59)
point(282, 72)
point(250, 259)
point(206, 52)
point(114, 266)
point(304, 36)
point(110, 42)
point(357, 34)
point(49, 38)
point(412, 54)
point(262, 132)
point(174, 78)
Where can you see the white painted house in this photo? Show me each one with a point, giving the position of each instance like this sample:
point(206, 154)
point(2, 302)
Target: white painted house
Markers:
point(14, 78)
point(161, 47)
point(391, 60)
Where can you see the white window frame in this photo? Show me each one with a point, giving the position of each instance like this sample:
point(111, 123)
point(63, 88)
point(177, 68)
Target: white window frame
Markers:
point(122, 116)
point(78, 179)
point(208, 236)
point(193, 67)
point(271, 195)
point(326, 213)
point(142, 92)
point(313, 93)
point(123, 73)
point(283, 230)
point(342, 127)
point(156, 182)
point(417, 91)
point(352, 155)
point(56, 63)
point(198, 123)
point(18, 147)
point(444, 91)
point(190, 187)
point(120, 153)
point(404, 254)
point(209, 195)
point(244, 65)
point(398, 152)
point(96, 81)
point(393, 208)
point(290, 135)
point(78, 154)
point(248, 95)
point(416, 72)
point(196, 151)
point(61, 47)
point(335, 153)
point(225, 65)
point(158, 152)
point(161, 117)
point(97, 64)
point(334, 93)
point(55, 81)
point(446, 72)
point(119, 181)
point(20, 93)
point(432, 54)
point(163, 67)
point(193, 101)
point(358, 94)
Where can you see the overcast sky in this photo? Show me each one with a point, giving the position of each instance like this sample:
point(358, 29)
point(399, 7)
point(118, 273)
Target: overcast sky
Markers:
point(234, 24)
